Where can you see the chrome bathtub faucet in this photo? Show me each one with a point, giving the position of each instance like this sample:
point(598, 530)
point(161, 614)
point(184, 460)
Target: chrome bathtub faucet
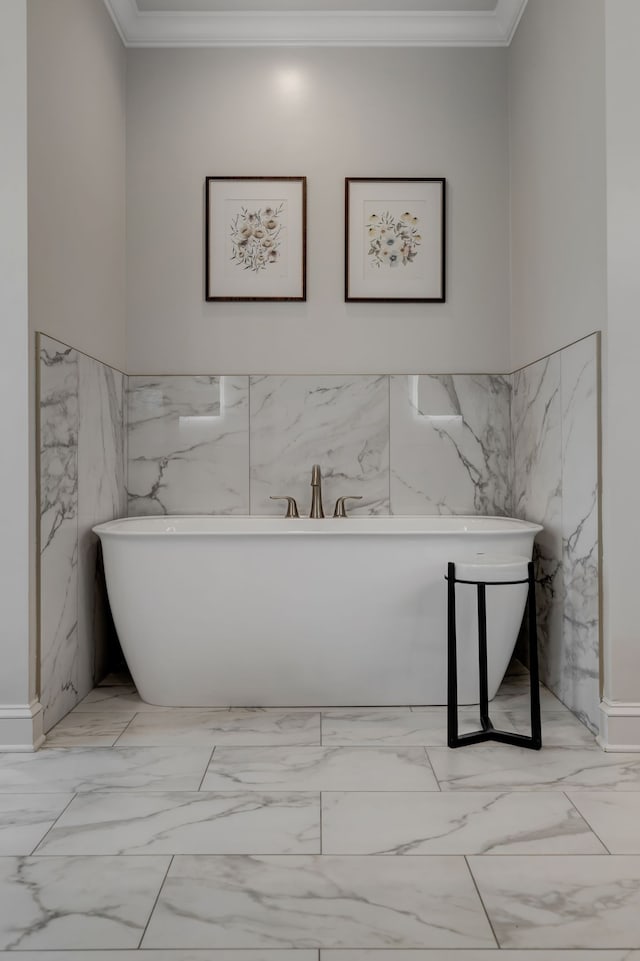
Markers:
point(317, 509)
point(292, 507)
point(340, 509)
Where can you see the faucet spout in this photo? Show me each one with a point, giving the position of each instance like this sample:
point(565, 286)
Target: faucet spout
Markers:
point(316, 492)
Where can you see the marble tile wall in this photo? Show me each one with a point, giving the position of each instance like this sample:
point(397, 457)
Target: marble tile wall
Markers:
point(450, 444)
point(522, 444)
point(188, 443)
point(555, 461)
point(406, 444)
point(82, 474)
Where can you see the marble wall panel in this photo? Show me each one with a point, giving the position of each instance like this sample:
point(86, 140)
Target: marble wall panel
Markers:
point(81, 480)
point(450, 444)
point(59, 421)
point(555, 424)
point(101, 497)
point(536, 418)
point(339, 422)
point(188, 445)
point(579, 685)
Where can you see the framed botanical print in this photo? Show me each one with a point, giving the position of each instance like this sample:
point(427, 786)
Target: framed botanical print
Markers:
point(255, 238)
point(395, 239)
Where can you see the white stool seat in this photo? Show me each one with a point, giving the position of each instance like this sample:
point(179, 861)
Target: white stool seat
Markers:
point(492, 568)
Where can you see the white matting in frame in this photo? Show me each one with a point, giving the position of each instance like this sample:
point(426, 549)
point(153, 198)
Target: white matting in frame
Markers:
point(395, 239)
point(255, 238)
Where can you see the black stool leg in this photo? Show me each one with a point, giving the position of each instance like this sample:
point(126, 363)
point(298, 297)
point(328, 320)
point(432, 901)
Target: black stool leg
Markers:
point(482, 658)
point(536, 726)
point(452, 666)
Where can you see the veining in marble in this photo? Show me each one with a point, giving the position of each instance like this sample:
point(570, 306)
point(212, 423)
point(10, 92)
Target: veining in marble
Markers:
point(319, 768)
point(341, 423)
point(554, 424)
point(187, 823)
point(481, 954)
point(60, 770)
point(82, 467)
point(305, 901)
point(204, 726)
point(188, 955)
point(450, 444)
point(188, 445)
point(420, 823)
point(578, 682)
point(84, 729)
point(489, 768)
point(59, 423)
point(613, 815)
point(536, 419)
point(79, 902)
point(561, 902)
point(101, 497)
point(26, 818)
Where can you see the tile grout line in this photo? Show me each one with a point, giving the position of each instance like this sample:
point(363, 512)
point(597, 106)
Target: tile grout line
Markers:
point(206, 767)
point(484, 907)
point(426, 753)
point(155, 903)
point(125, 728)
point(52, 825)
point(593, 831)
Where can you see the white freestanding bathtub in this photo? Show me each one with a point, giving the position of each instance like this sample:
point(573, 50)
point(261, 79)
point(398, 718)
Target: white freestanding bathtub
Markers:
point(217, 611)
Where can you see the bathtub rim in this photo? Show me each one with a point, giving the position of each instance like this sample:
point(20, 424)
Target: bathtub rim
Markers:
point(269, 525)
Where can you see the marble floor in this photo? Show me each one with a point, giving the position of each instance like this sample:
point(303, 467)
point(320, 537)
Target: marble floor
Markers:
point(316, 835)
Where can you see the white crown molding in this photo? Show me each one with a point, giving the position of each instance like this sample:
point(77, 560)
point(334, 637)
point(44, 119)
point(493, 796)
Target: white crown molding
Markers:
point(343, 28)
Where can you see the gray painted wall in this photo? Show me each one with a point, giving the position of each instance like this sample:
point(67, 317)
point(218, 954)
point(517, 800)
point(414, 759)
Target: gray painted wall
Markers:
point(347, 112)
point(76, 110)
point(557, 171)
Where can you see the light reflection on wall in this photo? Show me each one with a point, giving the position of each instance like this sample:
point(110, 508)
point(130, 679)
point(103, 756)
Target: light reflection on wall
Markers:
point(290, 84)
point(438, 420)
point(190, 423)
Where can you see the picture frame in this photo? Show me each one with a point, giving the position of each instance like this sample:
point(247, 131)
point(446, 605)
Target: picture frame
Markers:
point(255, 238)
point(395, 235)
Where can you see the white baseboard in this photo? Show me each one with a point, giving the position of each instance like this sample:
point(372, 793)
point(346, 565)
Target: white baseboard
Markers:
point(620, 726)
point(21, 727)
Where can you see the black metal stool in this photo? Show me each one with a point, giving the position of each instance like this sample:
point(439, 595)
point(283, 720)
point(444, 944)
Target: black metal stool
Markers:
point(485, 571)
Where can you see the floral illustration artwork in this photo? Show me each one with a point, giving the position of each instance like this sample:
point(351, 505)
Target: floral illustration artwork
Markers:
point(392, 240)
point(257, 237)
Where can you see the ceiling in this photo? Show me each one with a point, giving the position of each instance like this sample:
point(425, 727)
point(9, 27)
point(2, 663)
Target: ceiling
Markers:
point(228, 23)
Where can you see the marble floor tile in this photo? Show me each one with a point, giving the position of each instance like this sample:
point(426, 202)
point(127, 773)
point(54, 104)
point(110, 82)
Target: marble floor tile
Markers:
point(187, 954)
point(559, 728)
point(561, 902)
point(517, 697)
point(26, 818)
point(495, 767)
point(74, 903)
point(124, 699)
point(422, 726)
point(103, 769)
point(305, 901)
point(614, 816)
point(187, 823)
point(96, 729)
point(477, 954)
point(464, 823)
point(395, 726)
point(194, 726)
point(319, 769)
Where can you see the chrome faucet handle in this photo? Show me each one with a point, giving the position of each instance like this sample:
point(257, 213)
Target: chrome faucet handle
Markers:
point(292, 507)
point(340, 510)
